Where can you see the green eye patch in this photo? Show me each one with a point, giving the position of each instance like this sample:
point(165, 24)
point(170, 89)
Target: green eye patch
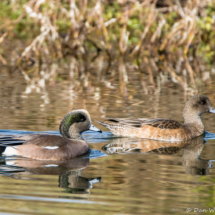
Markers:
point(70, 119)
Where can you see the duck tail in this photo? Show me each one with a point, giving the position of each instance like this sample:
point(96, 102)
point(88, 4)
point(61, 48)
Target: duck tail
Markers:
point(94, 180)
point(104, 124)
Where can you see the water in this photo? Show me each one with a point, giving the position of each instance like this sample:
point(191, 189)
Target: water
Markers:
point(119, 175)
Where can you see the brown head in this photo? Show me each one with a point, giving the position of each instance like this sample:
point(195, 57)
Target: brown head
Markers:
point(76, 122)
point(195, 107)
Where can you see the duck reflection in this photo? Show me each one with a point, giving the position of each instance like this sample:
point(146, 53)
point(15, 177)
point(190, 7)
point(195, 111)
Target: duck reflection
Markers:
point(69, 172)
point(192, 149)
point(191, 160)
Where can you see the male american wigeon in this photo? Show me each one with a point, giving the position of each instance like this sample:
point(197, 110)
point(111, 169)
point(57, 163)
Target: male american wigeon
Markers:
point(53, 147)
point(165, 129)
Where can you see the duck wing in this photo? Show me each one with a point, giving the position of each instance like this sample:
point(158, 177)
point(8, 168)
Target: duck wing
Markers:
point(48, 141)
point(17, 139)
point(42, 140)
point(140, 122)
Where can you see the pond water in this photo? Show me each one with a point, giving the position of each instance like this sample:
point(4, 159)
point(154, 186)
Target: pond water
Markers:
point(118, 175)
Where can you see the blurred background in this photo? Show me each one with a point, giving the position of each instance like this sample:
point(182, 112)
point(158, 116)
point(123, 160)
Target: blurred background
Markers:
point(115, 58)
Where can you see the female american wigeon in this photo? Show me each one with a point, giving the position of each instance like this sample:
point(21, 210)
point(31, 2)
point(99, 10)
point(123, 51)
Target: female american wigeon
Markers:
point(53, 147)
point(165, 129)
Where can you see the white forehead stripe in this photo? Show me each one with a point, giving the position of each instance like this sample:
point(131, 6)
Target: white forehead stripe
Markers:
point(51, 147)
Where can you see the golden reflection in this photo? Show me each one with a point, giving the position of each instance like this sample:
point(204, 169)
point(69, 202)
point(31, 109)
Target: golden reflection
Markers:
point(123, 76)
point(51, 90)
point(191, 160)
point(192, 149)
point(69, 172)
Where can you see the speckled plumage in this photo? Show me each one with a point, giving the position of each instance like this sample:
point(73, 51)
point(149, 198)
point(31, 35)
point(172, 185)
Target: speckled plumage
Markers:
point(165, 129)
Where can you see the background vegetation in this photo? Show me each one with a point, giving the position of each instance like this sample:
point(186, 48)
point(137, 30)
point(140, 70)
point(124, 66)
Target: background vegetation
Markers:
point(158, 39)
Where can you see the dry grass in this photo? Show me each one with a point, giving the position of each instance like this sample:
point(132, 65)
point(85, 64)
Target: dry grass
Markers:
point(165, 41)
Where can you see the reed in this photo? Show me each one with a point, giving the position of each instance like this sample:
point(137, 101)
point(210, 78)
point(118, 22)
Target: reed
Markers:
point(157, 38)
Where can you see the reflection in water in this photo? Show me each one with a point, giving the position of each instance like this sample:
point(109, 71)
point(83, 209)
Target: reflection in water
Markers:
point(191, 160)
point(69, 172)
point(192, 149)
point(132, 183)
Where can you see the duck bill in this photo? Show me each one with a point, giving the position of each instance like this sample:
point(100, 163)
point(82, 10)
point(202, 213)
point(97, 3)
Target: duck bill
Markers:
point(212, 110)
point(93, 128)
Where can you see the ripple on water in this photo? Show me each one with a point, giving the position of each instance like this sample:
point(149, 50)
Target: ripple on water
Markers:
point(125, 182)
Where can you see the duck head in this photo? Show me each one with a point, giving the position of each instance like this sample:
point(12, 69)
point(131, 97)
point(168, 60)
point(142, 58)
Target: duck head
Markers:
point(195, 107)
point(76, 122)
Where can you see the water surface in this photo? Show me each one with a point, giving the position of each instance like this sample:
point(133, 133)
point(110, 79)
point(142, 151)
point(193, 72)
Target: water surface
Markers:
point(119, 175)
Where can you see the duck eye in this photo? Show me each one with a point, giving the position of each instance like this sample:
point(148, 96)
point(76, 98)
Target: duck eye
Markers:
point(203, 103)
point(82, 119)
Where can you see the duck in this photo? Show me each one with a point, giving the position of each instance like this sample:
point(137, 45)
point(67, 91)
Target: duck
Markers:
point(164, 129)
point(69, 144)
